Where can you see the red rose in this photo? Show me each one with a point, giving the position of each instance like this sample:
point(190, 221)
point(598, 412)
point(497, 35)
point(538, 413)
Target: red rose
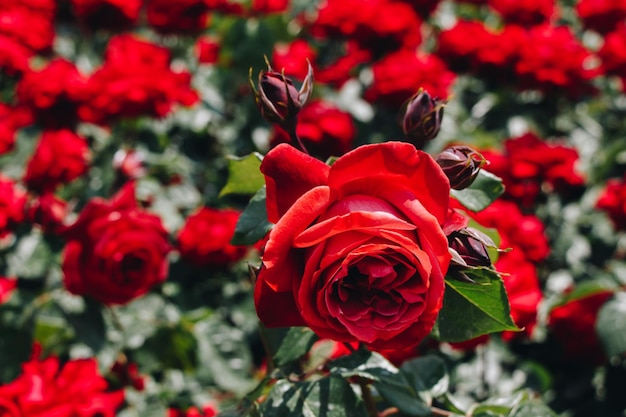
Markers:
point(107, 14)
point(204, 240)
point(603, 16)
point(18, 21)
point(261, 7)
point(524, 12)
point(208, 410)
point(52, 93)
point(553, 60)
point(180, 16)
point(324, 129)
point(60, 157)
point(48, 212)
point(613, 201)
point(613, 54)
point(393, 85)
point(573, 325)
point(292, 58)
point(7, 286)
point(357, 253)
point(13, 56)
point(115, 251)
point(135, 80)
point(12, 200)
point(345, 66)
point(47, 388)
point(11, 119)
point(207, 49)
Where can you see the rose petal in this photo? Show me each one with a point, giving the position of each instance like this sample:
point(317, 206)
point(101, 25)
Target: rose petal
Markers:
point(274, 308)
point(289, 174)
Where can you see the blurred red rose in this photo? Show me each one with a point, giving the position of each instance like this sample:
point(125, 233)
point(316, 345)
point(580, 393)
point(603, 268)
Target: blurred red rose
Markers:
point(292, 58)
point(554, 60)
point(603, 16)
point(524, 12)
point(324, 129)
point(530, 166)
point(207, 49)
point(107, 14)
point(401, 74)
point(204, 240)
point(11, 119)
point(343, 67)
point(613, 54)
point(613, 201)
point(357, 253)
point(12, 201)
point(115, 251)
point(262, 7)
point(522, 287)
point(127, 374)
point(18, 18)
point(60, 157)
point(7, 286)
point(135, 80)
point(52, 93)
point(13, 56)
point(377, 25)
point(48, 212)
point(48, 388)
point(180, 16)
point(573, 324)
point(424, 8)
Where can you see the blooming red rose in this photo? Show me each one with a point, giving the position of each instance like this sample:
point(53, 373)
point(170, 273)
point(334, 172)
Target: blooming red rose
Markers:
point(48, 388)
point(262, 7)
point(207, 49)
point(530, 165)
point(7, 286)
point(573, 324)
point(48, 212)
point(613, 201)
point(292, 58)
point(12, 200)
point(357, 253)
point(181, 16)
point(107, 14)
point(208, 410)
point(603, 16)
point(18, 20)
point(115, 251)
point(524, 12)
point(377, 25)
point(393, 85)
point(613, 54)
point(553, 60)
point(344, 67)
point(13, 56)
point(205, 238)
point(135, 80)
point(60, 157)
point(324, 129)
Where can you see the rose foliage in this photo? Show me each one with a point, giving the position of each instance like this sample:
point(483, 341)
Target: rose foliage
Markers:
point(285, 208)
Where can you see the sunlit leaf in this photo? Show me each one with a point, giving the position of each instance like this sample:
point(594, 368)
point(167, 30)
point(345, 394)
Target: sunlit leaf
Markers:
point(244, 177)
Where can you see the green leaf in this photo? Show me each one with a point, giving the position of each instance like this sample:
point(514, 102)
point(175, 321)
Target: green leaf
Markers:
point(252, 224)
point(295, 345)
point(89, 326)
point(611, 325)
point(244, 176)
point(427, 375)
point(483, 191)
point(471, 310)
point(387, 379)
point(330, 397)
point(15, 349)
point(532, 408)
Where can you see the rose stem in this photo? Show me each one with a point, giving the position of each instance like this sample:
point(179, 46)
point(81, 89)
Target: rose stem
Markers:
point(368, 399)
point(290, 128)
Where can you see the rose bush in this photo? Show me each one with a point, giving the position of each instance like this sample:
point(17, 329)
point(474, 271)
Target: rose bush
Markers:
point(358, 252)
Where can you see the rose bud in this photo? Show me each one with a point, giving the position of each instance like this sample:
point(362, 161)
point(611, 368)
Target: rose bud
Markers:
point(277, 97)
point(461, 164)
point(422, 118)
point(471, 246)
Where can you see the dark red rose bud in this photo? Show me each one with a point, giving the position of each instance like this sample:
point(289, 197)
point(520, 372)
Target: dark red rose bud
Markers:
point(471, 246)
point(422, 118)
point(278, 99)
point(461, 164)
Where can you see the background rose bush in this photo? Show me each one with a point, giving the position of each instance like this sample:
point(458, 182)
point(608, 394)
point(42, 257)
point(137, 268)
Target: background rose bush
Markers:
point(118, 121)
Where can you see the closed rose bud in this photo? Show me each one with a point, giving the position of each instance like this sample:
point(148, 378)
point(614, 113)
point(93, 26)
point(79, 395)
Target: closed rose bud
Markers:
point(461, 164)
point(278, 99)
point(422, 118)
point(471, 245)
